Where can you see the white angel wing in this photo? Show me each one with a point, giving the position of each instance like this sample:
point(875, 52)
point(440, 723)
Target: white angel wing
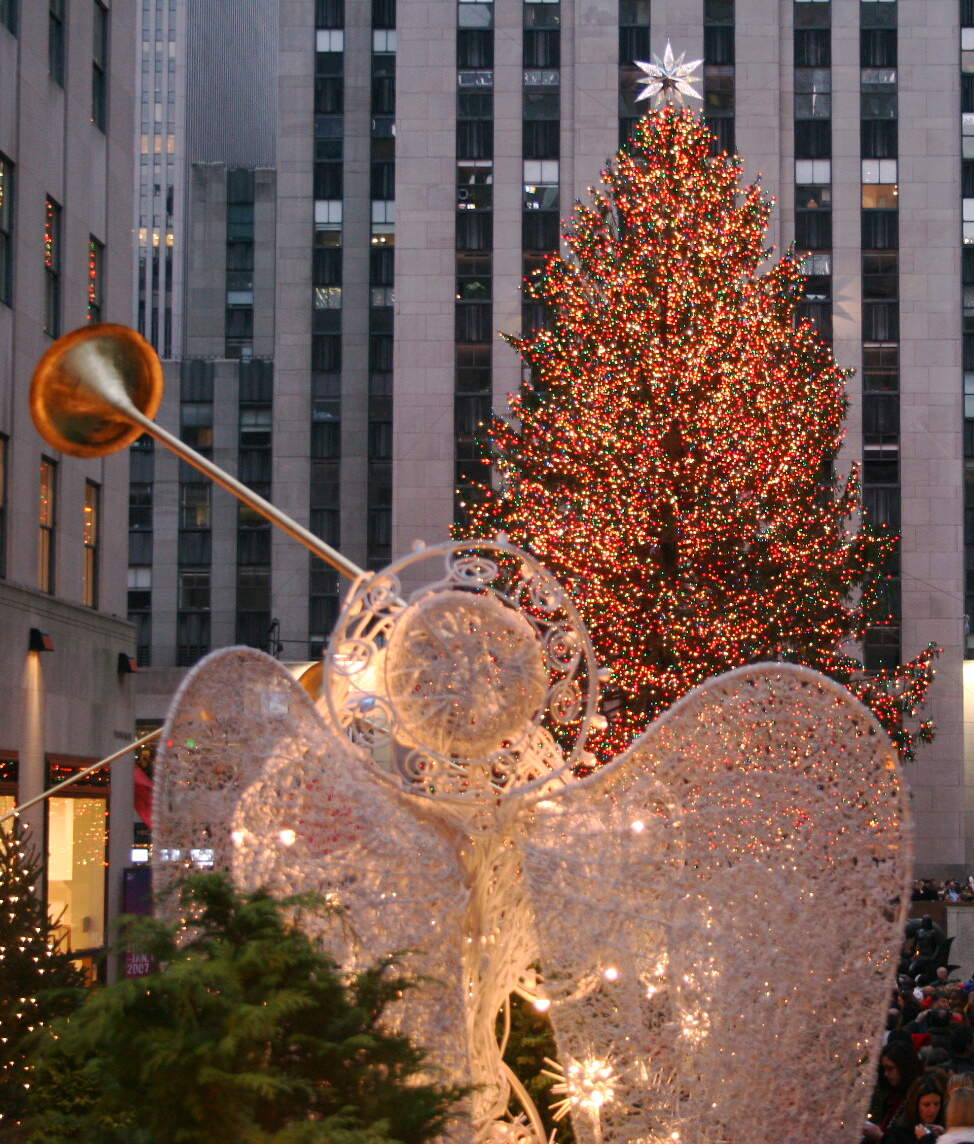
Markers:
point(718, 913)
point(251, 772)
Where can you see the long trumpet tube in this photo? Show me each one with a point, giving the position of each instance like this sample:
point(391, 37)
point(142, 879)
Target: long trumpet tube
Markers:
point(107, 761)
point(284, 522)
point(81, 377)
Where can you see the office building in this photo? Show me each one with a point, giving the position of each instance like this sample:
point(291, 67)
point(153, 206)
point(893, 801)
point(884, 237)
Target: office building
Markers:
point(425, 154)
point(66, 651)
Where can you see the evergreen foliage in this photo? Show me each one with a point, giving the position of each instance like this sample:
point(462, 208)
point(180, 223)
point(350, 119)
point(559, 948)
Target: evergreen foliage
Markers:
point(670, 459)
point(38, 980)
point(248, 1035)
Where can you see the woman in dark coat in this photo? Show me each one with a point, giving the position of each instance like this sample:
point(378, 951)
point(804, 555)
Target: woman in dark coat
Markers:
point(922, 1115)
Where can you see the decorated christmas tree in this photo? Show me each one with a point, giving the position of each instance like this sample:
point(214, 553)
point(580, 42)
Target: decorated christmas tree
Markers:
point(671, 457)
point(38, 981)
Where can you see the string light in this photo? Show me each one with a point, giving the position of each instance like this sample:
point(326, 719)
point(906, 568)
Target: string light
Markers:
point(670, 458)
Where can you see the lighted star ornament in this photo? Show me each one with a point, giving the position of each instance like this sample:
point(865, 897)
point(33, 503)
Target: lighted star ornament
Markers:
point(689, 916)
point(668, 77)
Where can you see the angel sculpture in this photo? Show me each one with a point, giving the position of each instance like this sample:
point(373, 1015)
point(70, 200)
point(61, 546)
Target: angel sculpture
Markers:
point(690, 915)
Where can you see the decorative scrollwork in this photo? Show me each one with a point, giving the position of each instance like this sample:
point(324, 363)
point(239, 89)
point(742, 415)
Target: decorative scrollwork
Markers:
point(466, 672)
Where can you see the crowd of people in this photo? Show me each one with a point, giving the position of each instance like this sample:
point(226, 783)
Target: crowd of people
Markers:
point(930, 890)
point(925, 1088)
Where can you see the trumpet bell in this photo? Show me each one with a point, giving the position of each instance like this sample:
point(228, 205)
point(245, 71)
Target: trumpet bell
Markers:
point(89, 384)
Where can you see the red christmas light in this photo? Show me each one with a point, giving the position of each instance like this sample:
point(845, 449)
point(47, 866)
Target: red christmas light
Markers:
point(670, 459)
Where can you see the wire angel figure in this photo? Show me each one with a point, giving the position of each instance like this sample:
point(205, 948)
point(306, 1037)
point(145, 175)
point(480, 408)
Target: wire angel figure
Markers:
point(710, 920)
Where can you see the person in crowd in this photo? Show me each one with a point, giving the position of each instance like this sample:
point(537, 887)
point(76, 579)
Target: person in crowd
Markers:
point(922, 1115)
point(960, 1117)
point(961, 1057)
point(899, 1067)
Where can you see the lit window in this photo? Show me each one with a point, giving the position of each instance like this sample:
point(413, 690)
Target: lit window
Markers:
point(96, 261)
point(77, 837)
point(329, 40)
point(879, 196)
point(813, 170)
point(89, 587)
point(52, 268)
point(47, 516)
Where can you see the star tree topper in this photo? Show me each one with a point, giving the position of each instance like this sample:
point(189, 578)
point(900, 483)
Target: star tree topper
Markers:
point(668, 75)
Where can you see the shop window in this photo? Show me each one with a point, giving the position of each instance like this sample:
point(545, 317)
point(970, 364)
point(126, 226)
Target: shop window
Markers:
point(77, 837)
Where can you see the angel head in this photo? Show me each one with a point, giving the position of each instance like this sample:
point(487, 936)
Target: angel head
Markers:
point(479, 682)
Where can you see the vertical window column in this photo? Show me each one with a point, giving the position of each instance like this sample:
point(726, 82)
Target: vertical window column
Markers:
point(967, 271)
point(239, 336)
point(381, 279)
point(141, 475)
point(91, 529)
point(880, 305)
point(634, 45)
point(194, 549)
point(99, 65)
point(96, 273)
point(813, 157)
point(52, 268)
point(47, 522)
point(55, 40)
point(3, 506)
point(474, 235)
point(326, 318)
point(6, 229)
point(541, 203)
point(253, 531)
point(718, 70)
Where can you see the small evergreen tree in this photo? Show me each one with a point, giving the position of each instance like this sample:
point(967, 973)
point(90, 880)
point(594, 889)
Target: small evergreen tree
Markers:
point(248, 1035)
point(38, 980)
point(670, 458)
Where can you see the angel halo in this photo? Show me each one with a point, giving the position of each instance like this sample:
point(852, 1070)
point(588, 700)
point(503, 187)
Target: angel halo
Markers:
point(732, 870)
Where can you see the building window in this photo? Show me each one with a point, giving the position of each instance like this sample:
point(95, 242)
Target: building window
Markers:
point(46, 519)
point(90, 528)
point(8, 15)
point(55, 40)
point(77, 837)
point(96, 261)
point(140, 612)
point(6, 229)
point(99, 66)
point(3, 506)
point(52, 268)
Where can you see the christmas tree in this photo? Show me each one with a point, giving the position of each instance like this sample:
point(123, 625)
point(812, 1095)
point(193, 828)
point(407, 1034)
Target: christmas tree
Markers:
point(38, 981)
point(670, 458)
point(249, 1033)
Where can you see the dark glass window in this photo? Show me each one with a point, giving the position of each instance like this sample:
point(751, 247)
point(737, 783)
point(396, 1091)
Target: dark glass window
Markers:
point(878, 138)
point(55, 40)
point(540, 230)
point(474, 230)
point(475, 138)
point(880, 230)
point(541, 139)
point(6, 229)
point(718, 45)
point(383, 13)
point(813, 230)
point(813, 139)
point(877, 47)
point(475, 48)
point(474, 322)
point(99, 65)
point(8, 15)
point(542, 48)
point(634, 44)
point(330, 13)
point(813, 47)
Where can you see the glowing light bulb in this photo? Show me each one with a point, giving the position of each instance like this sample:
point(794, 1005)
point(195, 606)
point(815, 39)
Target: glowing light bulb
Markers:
point(287, 837)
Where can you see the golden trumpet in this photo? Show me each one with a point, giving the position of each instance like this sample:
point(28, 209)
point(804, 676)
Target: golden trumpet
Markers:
point(98, 388)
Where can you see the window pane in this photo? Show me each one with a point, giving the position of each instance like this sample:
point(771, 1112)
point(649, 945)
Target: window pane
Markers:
point(76, 869)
